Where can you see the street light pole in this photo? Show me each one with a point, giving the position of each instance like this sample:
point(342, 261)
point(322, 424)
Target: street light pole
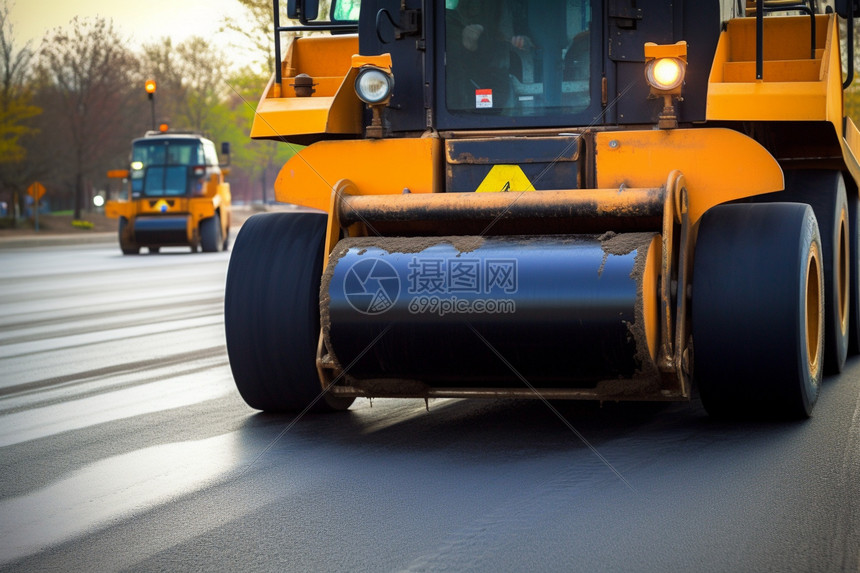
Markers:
point(150, 91)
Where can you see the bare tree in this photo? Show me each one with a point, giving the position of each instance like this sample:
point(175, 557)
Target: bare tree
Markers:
point(203, 69)
point(191, 81)
point(86, 77)
point(258, 30)
point(159, 63)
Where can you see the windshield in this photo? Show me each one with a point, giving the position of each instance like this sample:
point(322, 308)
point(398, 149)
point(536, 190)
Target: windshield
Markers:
point(160, 167)
point(517, 58)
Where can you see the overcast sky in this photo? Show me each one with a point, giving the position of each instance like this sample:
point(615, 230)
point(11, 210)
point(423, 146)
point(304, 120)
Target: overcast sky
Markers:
point(139, 21)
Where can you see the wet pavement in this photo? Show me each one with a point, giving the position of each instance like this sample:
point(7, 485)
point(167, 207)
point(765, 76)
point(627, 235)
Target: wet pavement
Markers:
point(124, 446)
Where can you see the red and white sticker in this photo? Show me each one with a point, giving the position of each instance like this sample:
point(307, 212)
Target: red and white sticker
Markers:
point(483, 98)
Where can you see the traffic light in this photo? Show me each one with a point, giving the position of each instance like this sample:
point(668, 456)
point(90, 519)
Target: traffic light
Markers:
point(149, 86)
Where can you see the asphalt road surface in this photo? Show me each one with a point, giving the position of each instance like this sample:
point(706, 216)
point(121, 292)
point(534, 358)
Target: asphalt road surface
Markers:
point(124, 446)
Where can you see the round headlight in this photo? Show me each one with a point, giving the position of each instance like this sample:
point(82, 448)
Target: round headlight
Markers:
point(373, 85)
point(665, 73)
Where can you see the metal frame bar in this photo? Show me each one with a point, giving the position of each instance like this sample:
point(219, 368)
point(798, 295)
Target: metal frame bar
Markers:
point(759, 30)
point(305, 27)
point(570, 204)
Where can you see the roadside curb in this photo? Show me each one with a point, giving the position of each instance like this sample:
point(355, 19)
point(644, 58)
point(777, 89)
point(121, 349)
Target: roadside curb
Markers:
point(54, 240)
point(63, 239)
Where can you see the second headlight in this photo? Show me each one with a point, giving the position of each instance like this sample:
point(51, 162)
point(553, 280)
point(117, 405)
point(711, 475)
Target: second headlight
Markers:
point(373, 85)
point(665, 74)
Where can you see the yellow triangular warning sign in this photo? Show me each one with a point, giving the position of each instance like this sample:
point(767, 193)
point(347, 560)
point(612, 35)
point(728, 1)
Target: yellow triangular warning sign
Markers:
point(505, 178)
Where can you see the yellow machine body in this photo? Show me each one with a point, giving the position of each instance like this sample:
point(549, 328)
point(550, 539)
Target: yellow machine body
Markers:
point(631, 195)
point(155, 214)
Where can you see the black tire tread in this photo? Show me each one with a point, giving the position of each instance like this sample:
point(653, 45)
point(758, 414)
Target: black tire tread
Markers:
point(127, 247)
point(271, 312)
point(210, 234)
point(749, 340)
point(824, 191)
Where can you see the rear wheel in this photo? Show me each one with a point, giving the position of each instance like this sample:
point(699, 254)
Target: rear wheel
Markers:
point(126, 244)
point(210, 234)
point(824, 191)
point(272, 313)
point(758, 310)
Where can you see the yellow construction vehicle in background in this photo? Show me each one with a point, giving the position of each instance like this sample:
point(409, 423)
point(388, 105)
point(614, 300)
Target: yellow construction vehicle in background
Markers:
point(554, 199)
point(176, 194)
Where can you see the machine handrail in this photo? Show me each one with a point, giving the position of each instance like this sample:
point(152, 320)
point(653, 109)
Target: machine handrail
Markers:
point(306, 26)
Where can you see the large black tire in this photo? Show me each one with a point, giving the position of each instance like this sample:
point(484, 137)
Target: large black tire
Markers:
point(127, 246)
point(211, 240)
point(825, 192)
point(272, 313)
point(758, 310)
point(854, 298)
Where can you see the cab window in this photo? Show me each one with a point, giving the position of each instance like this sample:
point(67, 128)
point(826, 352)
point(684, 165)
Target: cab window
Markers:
point(159, 168)
point(517, 58)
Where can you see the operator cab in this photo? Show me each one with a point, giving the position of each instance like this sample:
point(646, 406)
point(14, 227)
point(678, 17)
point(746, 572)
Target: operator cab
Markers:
point(463, 65)
point(174, 165)
point(517, 59)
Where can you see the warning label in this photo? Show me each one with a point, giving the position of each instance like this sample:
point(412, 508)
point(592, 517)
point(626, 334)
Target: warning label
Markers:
point(483, 98)
point(503, 178)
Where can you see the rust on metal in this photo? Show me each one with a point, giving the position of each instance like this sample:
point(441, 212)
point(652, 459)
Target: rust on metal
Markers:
point(677, 242)
point(573, 204)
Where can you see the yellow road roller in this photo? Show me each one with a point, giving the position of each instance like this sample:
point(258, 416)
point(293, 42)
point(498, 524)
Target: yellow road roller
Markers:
point(554, 199)
point(176, 194)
